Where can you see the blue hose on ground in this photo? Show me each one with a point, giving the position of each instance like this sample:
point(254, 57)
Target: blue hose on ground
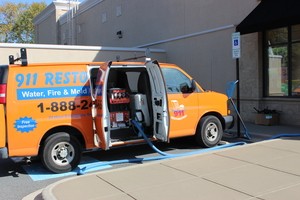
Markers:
point(163, 155)
point(285, 135)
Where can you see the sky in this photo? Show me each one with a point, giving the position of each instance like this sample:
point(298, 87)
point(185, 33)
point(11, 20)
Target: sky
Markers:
point(28, 1)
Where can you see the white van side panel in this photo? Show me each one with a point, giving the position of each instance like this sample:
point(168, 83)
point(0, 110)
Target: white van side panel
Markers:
point(159, 102)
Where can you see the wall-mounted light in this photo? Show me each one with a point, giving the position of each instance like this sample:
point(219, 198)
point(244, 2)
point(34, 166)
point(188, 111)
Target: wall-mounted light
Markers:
point(120, 34)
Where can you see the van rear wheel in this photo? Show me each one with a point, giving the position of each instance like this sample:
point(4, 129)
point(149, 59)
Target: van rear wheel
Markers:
point(61, 152)
point(209, 131)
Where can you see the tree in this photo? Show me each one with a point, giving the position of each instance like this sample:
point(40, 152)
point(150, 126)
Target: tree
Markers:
point(16, 21)
point(8, 15)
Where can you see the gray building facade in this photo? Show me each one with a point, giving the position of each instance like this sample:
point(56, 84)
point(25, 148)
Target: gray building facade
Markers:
point(196, 35)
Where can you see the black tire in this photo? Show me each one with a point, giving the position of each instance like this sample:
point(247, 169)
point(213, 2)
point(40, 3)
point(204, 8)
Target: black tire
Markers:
point(209, 131)
point(61, 152)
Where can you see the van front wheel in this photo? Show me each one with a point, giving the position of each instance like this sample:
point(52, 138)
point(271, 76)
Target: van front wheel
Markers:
point(209, 131)
point(61, 152)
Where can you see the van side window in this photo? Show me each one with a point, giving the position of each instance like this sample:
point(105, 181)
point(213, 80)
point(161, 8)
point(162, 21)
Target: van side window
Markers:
point(93, 76)
point(118, 79)
point(132, 80)
point(174, 78)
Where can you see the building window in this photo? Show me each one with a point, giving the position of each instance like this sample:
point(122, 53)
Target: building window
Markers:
point(103, 17)
point(118, 11)
point(282, 74)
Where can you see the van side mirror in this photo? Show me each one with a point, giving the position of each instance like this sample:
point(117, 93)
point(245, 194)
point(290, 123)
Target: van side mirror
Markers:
point(184, 87)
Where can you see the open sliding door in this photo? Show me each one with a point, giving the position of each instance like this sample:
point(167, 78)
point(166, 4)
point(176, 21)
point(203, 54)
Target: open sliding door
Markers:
point(159, 101)
point(100, 110)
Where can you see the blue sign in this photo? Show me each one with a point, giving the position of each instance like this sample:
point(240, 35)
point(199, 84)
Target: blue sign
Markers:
point(236, 47)
point(52, 92)
point(25, 124)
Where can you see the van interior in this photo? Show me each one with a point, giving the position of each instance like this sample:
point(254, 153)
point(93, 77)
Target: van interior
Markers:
point(128, 97)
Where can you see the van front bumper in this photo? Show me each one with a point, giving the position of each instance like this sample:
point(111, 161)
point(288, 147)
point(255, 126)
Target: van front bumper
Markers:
point(229, 122)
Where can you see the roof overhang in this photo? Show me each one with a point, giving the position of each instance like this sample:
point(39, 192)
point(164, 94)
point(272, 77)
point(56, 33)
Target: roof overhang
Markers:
point(270, 14)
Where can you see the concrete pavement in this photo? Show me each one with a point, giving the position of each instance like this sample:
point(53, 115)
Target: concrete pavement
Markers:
point(262, 170)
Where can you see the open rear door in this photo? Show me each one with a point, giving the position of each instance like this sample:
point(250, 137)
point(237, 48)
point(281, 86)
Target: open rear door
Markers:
point(159, 101)
point(100, 111)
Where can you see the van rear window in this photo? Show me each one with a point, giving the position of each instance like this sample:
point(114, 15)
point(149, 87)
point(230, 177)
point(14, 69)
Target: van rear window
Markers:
point(3, 73)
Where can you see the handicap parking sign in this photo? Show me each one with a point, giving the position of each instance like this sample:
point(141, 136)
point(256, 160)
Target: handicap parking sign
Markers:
point(236, 49)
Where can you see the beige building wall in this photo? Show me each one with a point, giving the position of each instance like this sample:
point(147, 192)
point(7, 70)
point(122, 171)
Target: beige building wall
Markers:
point(37, 53)
point(143, 22)
point(42, 31)
point(195, 35)
point(46, 23)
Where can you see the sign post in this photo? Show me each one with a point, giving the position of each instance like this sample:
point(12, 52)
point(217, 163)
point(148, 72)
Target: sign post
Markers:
point(236, 54)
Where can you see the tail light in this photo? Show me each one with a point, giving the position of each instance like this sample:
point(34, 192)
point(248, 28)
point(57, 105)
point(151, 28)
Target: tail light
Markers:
point(2, 93)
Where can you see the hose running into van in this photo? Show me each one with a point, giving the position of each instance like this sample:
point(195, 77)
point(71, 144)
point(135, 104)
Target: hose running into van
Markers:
point(181, 154)
point(162, 156)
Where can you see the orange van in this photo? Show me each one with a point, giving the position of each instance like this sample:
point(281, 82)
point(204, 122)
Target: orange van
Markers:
point(58, 110)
